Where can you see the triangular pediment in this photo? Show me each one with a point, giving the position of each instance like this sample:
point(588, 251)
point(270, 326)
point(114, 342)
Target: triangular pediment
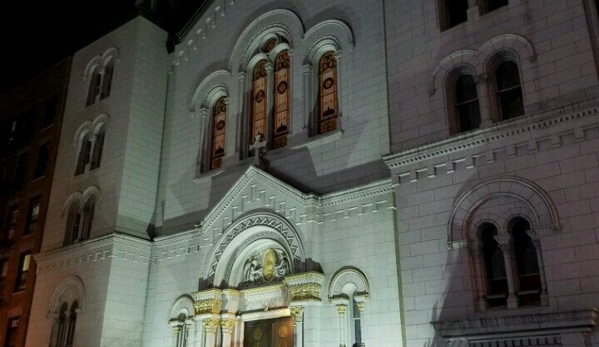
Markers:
point(257, 190)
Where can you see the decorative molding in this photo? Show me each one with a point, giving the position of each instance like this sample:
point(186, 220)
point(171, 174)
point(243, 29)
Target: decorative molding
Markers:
point(305, 287)
point(534, 322)
point(114, 245)
point(345, 276)
point(527, 132)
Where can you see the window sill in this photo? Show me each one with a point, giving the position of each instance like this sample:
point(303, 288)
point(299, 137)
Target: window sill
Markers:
point(207, 176)
point(320, 140)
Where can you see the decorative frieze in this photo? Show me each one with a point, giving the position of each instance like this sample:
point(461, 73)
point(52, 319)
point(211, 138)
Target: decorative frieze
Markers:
point(305, 287)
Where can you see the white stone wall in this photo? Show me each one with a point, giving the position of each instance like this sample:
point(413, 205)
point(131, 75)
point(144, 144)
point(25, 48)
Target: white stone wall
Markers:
point(352, 159)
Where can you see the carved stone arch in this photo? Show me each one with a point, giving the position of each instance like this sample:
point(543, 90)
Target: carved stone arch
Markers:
point(283, 22)
point(101, 119)
point(94, 62)
point(111, 54)
point(81, 131)
point(77, 196)
point(508, 42)
point(332, 31)
point(69, 290)
point(481, 218)
point(345, 276)
point(468, 58)
point(183, 304)
point(245, 231)
point(220, 79)
point(518, 212)
point(321, 46)
point(92, 191)
point(544, 216)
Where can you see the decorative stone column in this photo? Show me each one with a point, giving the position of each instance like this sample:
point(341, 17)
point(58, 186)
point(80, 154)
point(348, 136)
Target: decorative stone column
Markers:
point(203, 116)
point(243, 121)
point(536, 241)
point(270, 90)
point(341, 304)
point(308, 96)
point(306, 291)
point(210, 327)
point(208, 304)
point(297, 312)
point(505, 243)
point(227, 324)
point(484, 103)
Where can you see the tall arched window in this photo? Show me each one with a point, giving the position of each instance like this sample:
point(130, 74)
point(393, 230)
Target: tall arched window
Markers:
point(98, 147)
point(219, 130)
point(356, 322)
point(61, 322)
point(65, 325)
point(509, 90)
point(327, 76)
point(107, 79)
point(95, 85)
point(88, 218)
point(259, 102)
point(282, 100)
point(85, 147)
point(467, 109)
point(70, 336)
point(495, 274)
point(73, 223)
point(527, 264)
point(182, 335)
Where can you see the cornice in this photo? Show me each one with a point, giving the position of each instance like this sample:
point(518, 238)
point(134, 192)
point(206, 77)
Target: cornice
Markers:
point(357, 193)
point(110, 246)
point(520, 127)
point(517, 322)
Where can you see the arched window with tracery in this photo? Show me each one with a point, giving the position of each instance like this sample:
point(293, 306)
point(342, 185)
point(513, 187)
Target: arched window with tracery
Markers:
point(527, 264)
point(467, 109)
point(98, 147)
point(259, 102)
point(88, 218)
point(65, 325)
point(328, 103)
point(509, 90)
point(219, 131)
point(495, 274)
point(85, 147)
point(73, 223)
point(282, 99)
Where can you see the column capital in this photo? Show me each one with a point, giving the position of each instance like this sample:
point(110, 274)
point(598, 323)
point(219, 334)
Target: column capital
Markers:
point(269, 67)
point(297, 312)
point(241, 75)
point(307, 68)
point(227, 324)
point(211, 324)
point(481, 78)
point(341, 308)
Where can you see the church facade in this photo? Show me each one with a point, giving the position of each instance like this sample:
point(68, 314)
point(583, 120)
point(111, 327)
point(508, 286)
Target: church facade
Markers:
point(392, 173)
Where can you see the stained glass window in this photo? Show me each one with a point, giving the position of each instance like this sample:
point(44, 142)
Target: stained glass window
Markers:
point(282, 97)
point(259, 103)
point(327, 120)
point(219, 119)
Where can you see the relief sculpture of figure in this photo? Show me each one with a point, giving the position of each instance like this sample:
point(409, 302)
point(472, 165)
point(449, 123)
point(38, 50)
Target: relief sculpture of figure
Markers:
point(282, 267)
point(253, 272)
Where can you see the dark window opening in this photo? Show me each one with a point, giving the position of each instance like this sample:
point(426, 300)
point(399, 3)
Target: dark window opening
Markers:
point(453, 12)
point(509, 90)
point(527, 264)
point(24, 264)
point(42, 161)
point(492, 5)
point(21, 170)
point(466, 108)
point(49, 111)
point(10, 339)
point(496, 277)
point(33, 216)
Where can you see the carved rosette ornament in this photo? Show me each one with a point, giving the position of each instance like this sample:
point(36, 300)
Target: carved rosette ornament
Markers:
point(305, 287)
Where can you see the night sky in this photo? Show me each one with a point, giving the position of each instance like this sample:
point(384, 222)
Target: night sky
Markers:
point(37, 34)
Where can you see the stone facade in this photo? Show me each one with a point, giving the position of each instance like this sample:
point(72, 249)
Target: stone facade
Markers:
point(380, 220)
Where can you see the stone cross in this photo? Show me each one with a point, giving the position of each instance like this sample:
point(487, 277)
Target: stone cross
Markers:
point(257, 146)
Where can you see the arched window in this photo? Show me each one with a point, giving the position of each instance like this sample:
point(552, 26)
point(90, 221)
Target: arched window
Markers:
point(85, 147)
point(327, 76)
point(282, 100)
point(64, 325)
point(88, 218)
point(98, 146)
point(356, 323)
point(219, 130)
point(107, 79)
point(527, 264)
point(495, 274)
point(182, 333)
point(467, 110)
point(509, 90)
point(259, 101)
point(348, 292)
point(73, 223)
point(95, 85)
